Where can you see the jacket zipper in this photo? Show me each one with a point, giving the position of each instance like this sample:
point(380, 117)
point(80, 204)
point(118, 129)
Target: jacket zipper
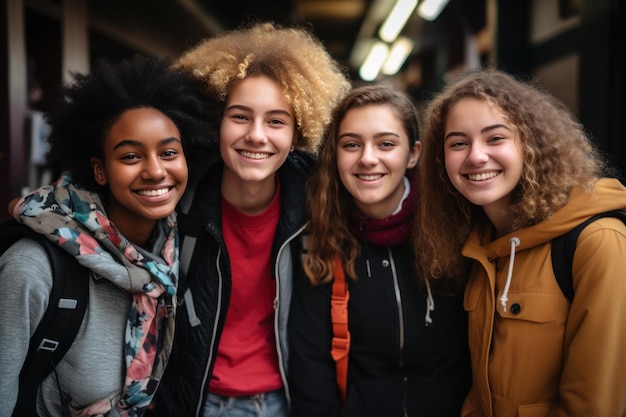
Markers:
point(396, 289)
point(281, 367)
point(276, 329)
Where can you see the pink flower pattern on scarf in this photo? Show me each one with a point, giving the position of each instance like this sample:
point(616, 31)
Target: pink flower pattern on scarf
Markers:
point(75, 219)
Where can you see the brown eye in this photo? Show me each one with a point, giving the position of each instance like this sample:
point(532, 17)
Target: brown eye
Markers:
point(170, 153)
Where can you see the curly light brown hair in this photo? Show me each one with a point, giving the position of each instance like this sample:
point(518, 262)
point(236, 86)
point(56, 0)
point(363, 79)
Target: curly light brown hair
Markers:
point(310, 78)
point(558, 155)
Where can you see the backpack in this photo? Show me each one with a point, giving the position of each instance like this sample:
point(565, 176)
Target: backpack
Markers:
point(563, 248)
point(62, 319)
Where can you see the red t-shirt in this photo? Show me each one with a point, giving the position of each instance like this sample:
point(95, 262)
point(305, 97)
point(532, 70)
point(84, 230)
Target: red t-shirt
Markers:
point(247, 360)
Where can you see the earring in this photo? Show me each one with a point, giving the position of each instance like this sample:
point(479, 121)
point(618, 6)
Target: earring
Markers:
point(292, 148)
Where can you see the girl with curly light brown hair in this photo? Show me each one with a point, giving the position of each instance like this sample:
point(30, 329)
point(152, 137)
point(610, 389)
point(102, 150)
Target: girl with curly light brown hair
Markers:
point(278, 86)
point(505, 170)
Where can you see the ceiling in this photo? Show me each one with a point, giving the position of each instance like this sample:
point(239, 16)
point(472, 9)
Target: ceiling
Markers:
point(339, 24)
point(343, 26)
point(335, 22)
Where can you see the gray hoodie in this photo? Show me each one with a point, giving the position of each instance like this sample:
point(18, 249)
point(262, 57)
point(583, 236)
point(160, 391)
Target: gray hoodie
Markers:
point(93, 367)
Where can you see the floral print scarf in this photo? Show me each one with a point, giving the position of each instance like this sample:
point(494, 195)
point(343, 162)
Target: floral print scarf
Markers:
point(74, 218)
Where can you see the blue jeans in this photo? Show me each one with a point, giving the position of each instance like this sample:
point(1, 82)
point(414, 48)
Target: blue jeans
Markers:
point(269, 404)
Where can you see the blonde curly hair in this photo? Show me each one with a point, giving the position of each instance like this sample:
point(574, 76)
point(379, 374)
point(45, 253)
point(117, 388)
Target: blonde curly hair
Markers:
point(310, 78)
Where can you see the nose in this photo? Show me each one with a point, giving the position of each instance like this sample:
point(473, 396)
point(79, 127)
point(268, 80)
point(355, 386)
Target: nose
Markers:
point(153, 168)
point(256, 133)
point(477, 155)
point(368, 156)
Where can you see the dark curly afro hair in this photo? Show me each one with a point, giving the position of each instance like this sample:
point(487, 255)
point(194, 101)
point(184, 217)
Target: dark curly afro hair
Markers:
point(93, 103)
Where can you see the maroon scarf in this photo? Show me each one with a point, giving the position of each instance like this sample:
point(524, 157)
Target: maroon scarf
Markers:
point(390, 231)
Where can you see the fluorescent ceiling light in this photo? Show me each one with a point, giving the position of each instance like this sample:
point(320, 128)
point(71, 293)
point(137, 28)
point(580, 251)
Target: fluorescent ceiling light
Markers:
point(396, 20)
point(373, 63)
point(430, 9)
point(400, 50)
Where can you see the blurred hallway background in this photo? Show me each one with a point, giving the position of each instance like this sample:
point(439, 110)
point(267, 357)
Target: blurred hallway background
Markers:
point(575, 48)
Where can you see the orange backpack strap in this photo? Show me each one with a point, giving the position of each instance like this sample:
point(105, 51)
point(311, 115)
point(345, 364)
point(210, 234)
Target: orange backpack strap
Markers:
point(341, 335)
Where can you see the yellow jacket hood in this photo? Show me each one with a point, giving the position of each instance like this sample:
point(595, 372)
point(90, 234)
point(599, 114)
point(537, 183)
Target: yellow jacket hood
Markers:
point(609, 194)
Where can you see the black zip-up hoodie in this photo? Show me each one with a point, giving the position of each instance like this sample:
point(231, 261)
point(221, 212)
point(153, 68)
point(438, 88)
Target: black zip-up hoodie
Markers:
point(399, 365)
point(207, 284)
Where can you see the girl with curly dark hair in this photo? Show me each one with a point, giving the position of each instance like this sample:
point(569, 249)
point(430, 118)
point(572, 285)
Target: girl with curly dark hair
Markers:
point(119, 136)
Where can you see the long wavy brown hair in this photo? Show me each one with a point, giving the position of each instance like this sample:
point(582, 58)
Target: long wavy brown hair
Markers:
point(558, 155)
point(328, 201)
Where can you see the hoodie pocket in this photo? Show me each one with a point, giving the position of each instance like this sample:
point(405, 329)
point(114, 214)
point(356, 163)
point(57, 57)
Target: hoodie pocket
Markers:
point(535, 410)
point(534, 307)
point(503, 406)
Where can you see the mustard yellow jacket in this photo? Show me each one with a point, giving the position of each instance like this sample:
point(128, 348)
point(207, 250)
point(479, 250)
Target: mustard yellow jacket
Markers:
point(534, 355)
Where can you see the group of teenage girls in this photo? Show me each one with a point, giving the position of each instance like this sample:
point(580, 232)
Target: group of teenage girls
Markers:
point(217, 200)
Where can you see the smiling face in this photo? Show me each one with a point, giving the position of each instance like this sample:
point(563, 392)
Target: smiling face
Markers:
point(483, 156)
point(373, 155)
point(257, 131)
point(144, 168)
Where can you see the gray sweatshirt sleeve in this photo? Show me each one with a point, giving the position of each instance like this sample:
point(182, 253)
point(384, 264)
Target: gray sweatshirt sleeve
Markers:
point(25, 282)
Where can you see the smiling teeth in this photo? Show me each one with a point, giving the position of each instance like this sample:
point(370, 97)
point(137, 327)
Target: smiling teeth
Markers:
point(153, 193)
point(371, 177)
point(255, 155)
point(483, 176)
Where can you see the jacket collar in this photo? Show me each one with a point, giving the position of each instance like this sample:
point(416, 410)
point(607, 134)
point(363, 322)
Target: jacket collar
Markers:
point(205, 212)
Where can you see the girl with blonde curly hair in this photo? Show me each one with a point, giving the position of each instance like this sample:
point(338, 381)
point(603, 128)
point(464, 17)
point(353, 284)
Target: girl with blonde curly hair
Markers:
point(309, 78)
point(278, 86)
point(505, 170)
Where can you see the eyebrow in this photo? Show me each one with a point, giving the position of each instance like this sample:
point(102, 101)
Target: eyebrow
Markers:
point(376, 135)
point(249, 109)
point(483, 130)
point(132, 142)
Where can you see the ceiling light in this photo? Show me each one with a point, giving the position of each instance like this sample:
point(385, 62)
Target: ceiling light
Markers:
point(396, 20)
point(371, 66)
point(430, 9)
point(400, 51)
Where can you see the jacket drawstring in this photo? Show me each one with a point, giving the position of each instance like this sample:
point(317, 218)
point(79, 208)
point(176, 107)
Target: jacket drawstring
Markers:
point(430, 304)
point(503, 298)
point(191, 309)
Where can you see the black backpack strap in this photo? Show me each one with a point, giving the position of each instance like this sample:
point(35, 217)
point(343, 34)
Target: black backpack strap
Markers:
point(61, 321)
point(563, 248)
